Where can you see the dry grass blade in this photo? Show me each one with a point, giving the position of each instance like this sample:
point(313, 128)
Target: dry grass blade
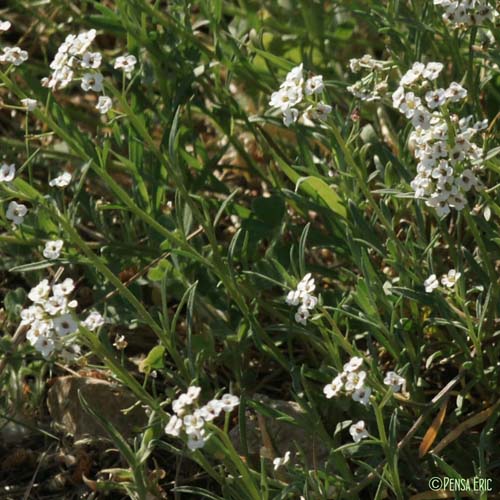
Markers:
point(432, 431)
point(467, 424)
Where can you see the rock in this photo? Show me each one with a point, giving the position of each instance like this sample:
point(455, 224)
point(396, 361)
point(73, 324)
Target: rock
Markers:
point(279, 435)
point(106, 398)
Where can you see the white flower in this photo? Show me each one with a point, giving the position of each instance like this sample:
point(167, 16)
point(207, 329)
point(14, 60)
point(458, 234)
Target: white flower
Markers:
point(451, 278)
point(435, 98)
point(314, 85)
point(44, 345)
point(7, 172)
point(40, 292)
point(293, 298)
point(332, 389)
point(29, 104)
point(93, 321)
point(193, 393)
point(229, 402)
point(65, 324)
point(281, 461)
point(290, 115)
point(31, 314)
point(13, 55)
point(91, 60)
point(120, 344)
point(321, 111)
point(358, 431)
point(193, 423)
point(413, 74)
point(61, 181)
point(302, 315)
point(57, 304)
point(211, 410)
point(354, 381)
point(455, 92)
point(179, 404)
point(64, 288)
point(174, 426)
point(307, 284)
point(39, 328)
point(309, 301)
point(92, 81)
point(432, 70)
point(126, 63)
point(431, 283)
point(353, 364)
point(4, 25)
point(295, 76)
point(395, 381)
point(53, 249)
point(104, 104)
point(16, 212)
point(362, 395)
point(410, 104)
point(467, 180)
point(196, 440)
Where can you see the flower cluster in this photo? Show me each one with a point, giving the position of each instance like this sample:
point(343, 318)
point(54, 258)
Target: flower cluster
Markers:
point(73, 56)
point(448, 280)
point(464, 13)
point(302, 297)
point(298, 95)
point(352, 381)
point(443, 143)
point(74, 60)
point(13, 55)
point(190, 418)
point(374, 85)
point(50, 317)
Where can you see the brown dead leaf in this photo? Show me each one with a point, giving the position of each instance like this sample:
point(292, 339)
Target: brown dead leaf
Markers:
point(432, 431)
point(465, 425)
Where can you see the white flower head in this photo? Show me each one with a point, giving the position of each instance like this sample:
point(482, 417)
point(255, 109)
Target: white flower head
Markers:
point(126, 63)
point(16, 212)
point(93, 321)
point(334, 387)
point(92, 81)
point(61, 181)
point(358, 431)
point(5, 25)
point(229, 402)
point(64, 288)
point(104, 104)
point(13, 55)
point(314, 85)
point(91, 60)
point(355, 381)
point(7, 172)
point(29, 104)
point(353, 364)
point(174, 426)
point(395, 381)
point(40, 293)
point(362, 395)
point(196, 440)
point(449, 280)
point(302, 315)
point(431, 283)
point(65, 324)
point(53, 249)
point(281, 461)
